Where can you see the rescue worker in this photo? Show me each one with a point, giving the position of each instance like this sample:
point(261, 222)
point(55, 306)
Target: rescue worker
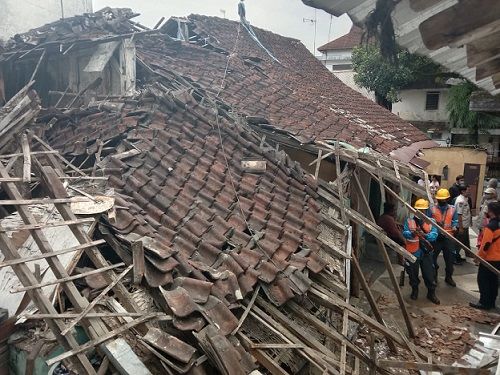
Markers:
point(419, 235)
point(445, 216)
point(490, 251)
point(464, 221)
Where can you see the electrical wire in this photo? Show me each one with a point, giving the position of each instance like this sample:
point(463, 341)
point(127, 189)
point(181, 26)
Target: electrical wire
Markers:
point(221, 142)
point(252, 34)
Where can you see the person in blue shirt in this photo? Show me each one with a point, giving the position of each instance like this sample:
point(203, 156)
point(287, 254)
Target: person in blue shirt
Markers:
point(446, 216)
point(419, 237)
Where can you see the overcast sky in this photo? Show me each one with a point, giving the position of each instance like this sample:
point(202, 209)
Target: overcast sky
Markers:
point(285, 17)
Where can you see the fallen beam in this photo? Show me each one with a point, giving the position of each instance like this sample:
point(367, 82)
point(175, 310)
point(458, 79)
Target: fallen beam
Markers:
point(418, 366)
point(106, 337)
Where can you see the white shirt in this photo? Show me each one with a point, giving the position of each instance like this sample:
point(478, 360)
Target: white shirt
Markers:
point(434, 187)
point(463, 208)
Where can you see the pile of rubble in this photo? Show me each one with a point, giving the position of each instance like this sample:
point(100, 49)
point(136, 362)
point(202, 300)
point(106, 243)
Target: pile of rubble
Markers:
point(149, 228)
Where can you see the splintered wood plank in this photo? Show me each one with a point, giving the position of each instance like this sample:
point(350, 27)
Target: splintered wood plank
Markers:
point(55, 264)
point(417, 366)
point(101, 56)
point(487, 69)
point(327, 299)
point(55, 189)
point(419, 5)
point(482, 50)
point(108, 336)
point(64, 280)
point(97, 300)
point(484, 102)
point(51, 224)
point(462, 23)
point(26, 158)
point(44, 305)
point(42, 201)
point(264, 360)
point(139, 261)
point(59, 238)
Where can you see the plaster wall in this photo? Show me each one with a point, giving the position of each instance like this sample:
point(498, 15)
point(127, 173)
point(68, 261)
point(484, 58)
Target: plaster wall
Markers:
point(19, 16)
point(455, 158)
point(412, 106)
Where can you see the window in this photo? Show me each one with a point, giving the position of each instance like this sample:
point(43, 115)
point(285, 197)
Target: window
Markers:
point(432, 101)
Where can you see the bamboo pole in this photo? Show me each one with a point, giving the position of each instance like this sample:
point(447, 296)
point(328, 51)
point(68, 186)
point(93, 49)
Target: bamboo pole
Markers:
point(387, 261)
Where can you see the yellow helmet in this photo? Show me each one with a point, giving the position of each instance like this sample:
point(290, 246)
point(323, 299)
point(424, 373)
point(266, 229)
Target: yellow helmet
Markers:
point(422, 204)
point(443, 194)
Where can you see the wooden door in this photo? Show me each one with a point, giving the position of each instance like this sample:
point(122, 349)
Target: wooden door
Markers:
point(471, 176)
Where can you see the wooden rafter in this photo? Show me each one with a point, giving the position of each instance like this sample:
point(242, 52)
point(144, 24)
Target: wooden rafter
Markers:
point(487, 69)
point(419, 5)
point(460, 24)
point(483, 49)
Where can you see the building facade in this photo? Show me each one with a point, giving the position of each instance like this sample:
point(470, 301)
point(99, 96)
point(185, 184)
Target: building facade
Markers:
point(37, 13)
point(337, 57)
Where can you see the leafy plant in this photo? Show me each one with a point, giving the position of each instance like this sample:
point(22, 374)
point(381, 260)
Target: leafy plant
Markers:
point(461, 117)
point(385, 78)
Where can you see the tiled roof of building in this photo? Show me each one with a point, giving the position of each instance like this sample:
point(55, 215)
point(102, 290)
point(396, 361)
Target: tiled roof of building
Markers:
point(348, 41)
point(178, 192)
point(298, 94)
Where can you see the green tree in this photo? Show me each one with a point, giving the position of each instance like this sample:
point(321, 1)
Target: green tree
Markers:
point(386, 78)
point(461, 117)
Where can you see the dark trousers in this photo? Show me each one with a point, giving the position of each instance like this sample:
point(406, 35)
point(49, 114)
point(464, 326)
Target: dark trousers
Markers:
point(446, 246)
point(488, 285)
point(465, 239)
point(426, 264)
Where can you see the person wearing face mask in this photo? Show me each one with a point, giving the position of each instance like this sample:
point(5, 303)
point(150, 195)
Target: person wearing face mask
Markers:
point(419, 235)
point(446, 217)
point(490, 251)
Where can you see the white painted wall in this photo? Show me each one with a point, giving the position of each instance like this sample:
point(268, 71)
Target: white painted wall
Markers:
point(347, 76)
point(412, 106)
point(337, 57)
point(19, 16)
point(336, 62)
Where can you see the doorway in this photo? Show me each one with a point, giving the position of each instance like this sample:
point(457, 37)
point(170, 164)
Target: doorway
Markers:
point(471, 177)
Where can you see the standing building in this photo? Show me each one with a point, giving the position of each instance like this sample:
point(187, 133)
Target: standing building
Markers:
point(37, 13)
point(424, 103)
point(337, 57)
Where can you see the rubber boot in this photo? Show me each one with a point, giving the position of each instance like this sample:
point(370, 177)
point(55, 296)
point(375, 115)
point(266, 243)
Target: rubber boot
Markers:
point(431, 296)
point(414, 294)
point(449, 280)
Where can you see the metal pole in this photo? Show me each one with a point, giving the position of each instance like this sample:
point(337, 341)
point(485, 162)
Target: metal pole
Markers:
point(62, 9)
point(315, 29)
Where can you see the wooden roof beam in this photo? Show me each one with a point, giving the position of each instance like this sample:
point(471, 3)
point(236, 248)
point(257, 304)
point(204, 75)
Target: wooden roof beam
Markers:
point(488, 69)
point(483, 102)
point(483, 50)
point(496, 80)
point(460, 24)
point(420, 5)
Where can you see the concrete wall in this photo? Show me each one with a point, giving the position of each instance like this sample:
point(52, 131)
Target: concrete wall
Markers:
point(19, 16)
point(412, 106)
point(337, 57)
point(347, 76)
point(455, 158)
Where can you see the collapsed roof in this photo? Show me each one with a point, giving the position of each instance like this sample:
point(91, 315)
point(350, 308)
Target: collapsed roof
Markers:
point(240, 261)
point(271, 78)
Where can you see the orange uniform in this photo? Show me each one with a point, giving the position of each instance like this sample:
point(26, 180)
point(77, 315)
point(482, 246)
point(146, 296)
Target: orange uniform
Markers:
point(490, 245)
